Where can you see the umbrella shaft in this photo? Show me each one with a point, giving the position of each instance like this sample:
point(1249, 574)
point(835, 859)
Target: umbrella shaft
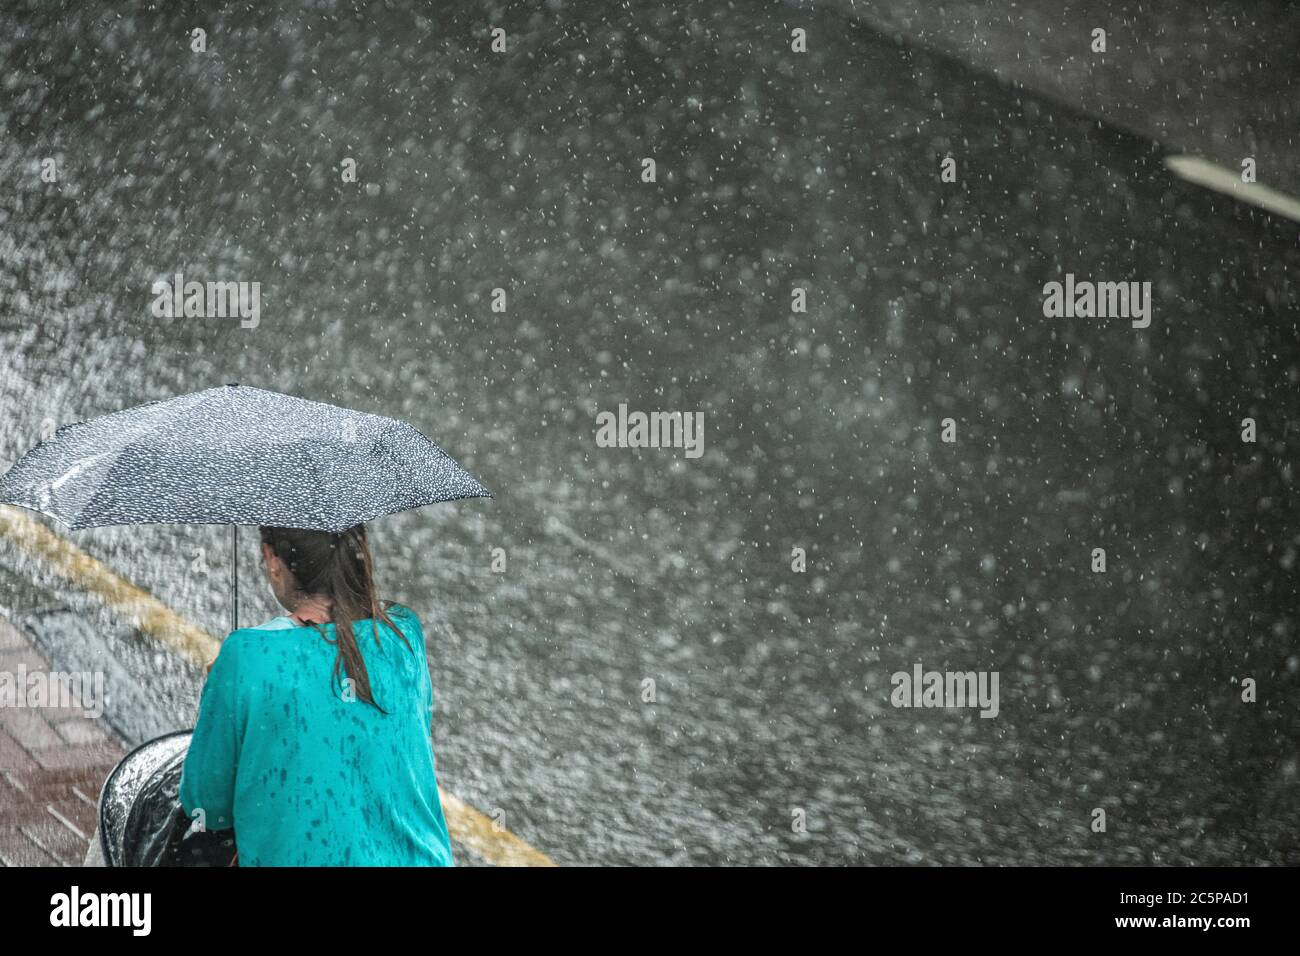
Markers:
point(234, 577)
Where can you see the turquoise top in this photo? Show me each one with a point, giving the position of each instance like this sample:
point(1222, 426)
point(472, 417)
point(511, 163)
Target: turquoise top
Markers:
point(306, 776)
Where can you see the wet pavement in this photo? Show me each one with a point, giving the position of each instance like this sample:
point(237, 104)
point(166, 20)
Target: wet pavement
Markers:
point(52, 762)
point(775, 170)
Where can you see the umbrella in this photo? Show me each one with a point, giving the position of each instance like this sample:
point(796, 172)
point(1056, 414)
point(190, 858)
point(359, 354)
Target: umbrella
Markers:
point(234, 455)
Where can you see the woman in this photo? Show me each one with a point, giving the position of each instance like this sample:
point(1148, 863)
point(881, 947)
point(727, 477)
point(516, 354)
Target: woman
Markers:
point(313, 733)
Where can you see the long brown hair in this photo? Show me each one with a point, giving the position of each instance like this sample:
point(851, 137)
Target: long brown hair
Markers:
point(338, 566)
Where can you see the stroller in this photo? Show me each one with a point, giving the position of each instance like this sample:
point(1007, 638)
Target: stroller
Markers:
point(140, 818)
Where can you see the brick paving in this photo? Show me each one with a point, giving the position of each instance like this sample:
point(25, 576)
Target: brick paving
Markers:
point(52, 763)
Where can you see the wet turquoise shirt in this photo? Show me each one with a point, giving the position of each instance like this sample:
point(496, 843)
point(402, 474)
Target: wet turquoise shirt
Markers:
point(306, 776)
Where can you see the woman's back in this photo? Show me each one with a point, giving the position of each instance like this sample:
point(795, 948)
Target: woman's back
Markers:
point(307, 773)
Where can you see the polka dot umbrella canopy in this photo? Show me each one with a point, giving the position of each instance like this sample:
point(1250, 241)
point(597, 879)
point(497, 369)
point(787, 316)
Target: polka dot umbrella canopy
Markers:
point(235, 455)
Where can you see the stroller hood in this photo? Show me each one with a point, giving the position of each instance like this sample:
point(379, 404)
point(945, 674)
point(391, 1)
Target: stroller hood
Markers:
point(141, 821)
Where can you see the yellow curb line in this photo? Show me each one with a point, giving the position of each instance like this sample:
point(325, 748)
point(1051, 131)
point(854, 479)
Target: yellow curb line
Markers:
point(467, 826)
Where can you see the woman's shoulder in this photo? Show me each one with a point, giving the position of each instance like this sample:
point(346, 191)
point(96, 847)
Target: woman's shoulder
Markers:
point(252, 633)
point(271, 634)
point(403, 617)
point(247, 641)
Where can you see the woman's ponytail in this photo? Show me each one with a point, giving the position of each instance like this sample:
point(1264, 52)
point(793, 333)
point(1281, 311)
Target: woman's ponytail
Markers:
point(338, 566)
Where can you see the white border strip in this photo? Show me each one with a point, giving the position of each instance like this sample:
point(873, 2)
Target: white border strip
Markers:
point(1202, 172)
